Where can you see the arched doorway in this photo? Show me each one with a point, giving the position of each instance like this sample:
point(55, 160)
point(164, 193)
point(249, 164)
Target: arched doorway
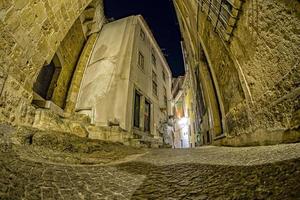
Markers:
point(212, 123)
point(47, 79)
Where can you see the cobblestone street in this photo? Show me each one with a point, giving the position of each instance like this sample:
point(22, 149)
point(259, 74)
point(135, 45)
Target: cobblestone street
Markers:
point(149, 100)
point(267, 172)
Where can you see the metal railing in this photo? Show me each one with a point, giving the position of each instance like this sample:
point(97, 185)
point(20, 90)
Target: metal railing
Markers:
point(223, 14)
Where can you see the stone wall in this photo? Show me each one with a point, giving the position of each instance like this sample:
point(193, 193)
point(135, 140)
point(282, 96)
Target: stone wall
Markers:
point(78, 74)
point(256, 72)
point(30, 34)
point(265, 46)
point(69, 51)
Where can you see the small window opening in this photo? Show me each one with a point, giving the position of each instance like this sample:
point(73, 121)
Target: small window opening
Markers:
point(47, 79)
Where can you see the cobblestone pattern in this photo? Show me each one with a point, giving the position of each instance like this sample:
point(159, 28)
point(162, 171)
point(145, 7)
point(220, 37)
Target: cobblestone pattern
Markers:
point(232, 156)
point(204, 173)
point(200, 181)
point(29, 172)
point(23, 179)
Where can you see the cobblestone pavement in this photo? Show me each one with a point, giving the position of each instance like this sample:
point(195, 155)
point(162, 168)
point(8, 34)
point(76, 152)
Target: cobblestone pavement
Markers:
point(270, 172)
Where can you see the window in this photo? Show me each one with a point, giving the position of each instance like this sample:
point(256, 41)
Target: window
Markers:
point(137, 104)
point(220, 12)
point(154, 83)
point(166, 100)
point(165, 97)
point(47, 79)
point(147, 116)
point(153, 59)
point(141, 60)
point(154, 76)
point(154, 88)
point(142, 34)
point(164, 75)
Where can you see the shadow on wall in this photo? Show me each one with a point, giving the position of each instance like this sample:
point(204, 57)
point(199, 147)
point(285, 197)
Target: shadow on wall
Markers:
point(279, 180)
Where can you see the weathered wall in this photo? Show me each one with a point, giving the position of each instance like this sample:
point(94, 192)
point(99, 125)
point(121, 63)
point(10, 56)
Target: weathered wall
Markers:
point(211, 120)
point(102, 92)
point(224, 71)
point(256, 73)
point(30, 33)
point(78, 74)
point(142, 78)
point(112, 75)
point(266, 48)
point(69, 51)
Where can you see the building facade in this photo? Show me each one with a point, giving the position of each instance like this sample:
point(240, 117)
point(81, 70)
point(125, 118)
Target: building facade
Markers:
point(47, 50)
point(44, 47)
point(127, 82)
point(181, 120)
point(244, 69)
point(185, 135)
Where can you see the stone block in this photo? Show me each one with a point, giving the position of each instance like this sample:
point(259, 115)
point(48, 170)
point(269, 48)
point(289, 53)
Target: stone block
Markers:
point(30, 33)
point(78, 130)
point(27, 17)
point(2, 80)
point(5, 4)
point(40, 12)
point(20, 4)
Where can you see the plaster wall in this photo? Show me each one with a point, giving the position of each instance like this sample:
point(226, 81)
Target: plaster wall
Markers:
point(104, 89)
point(142, 78)
point(113, 75)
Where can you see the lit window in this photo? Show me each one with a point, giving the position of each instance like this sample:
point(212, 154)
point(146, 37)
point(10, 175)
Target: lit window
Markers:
point(141, 60)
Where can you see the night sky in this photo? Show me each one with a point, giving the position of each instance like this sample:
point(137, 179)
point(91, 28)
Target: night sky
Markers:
point(161, 18)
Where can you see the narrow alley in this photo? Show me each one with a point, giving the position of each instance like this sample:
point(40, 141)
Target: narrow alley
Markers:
point(149, 99)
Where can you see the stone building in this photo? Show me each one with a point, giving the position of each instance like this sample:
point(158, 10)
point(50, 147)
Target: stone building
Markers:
point(244, 62)
point(44, 48)
point(127, 82)
point(48, 46)
point(181, 134)
point(185, 118)
point(242, 59)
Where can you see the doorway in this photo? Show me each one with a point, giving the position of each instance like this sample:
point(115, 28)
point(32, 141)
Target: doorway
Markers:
point(147, 116)
point(213, 101)
point(47, 79)
point(136, 114)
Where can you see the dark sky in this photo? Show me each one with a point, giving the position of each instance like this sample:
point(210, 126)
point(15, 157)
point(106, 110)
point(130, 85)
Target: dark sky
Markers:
point(161, 18)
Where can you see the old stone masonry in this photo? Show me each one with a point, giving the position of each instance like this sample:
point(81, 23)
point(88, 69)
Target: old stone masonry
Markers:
point(100, 170)
point(90, 109)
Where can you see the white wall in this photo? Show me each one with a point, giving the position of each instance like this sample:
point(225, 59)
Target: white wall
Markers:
point(142, 78)
point(104, 89)
point(110, 80)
